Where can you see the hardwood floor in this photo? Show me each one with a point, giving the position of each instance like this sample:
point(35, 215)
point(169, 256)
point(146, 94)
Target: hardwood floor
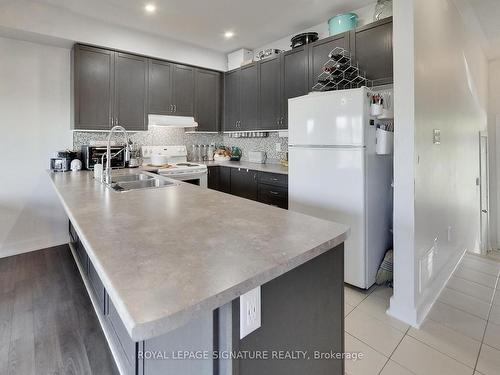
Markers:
point(47, 322)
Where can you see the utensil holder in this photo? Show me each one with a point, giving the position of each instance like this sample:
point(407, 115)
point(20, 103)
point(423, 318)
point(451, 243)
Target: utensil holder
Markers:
point(384, 142)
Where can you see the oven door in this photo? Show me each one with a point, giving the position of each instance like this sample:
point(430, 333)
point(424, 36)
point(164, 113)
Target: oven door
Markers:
point(199, 179)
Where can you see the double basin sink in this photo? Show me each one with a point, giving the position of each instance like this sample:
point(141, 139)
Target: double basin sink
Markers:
point(138, 181)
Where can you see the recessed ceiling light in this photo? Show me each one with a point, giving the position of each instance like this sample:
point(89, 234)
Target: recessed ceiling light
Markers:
point(150, 8)
point(228, 34)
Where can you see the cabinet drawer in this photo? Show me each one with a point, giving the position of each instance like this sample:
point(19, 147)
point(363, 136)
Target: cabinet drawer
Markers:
point(273, 179)
point(97, 286)
point(127, 347)
point(273, 195)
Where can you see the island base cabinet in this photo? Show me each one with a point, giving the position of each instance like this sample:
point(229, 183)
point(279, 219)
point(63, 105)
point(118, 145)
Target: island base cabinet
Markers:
point(302, 310)
point(186, 350)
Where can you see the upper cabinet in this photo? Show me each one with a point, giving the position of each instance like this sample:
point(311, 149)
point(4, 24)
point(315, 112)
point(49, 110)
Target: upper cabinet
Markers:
point(207, 100)
point(110, 88)
point(269, 79)
point(116, 88)
point(171, 89)
point(93, 80)
point(232, 88)
point(319, 51)
point(295, 72)
point(249, 98)
point(183, 90)
point(160, 87)
point(371, 46)
point(295, 77)
point(131, 91)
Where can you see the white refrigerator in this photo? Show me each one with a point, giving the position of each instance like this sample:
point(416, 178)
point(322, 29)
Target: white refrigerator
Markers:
point(335, 174)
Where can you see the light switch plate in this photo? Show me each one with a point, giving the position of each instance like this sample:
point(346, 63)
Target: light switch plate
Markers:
point(278, 147)
point(250, 318)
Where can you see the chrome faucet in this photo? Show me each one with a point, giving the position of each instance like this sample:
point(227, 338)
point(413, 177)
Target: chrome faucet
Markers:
point(107, 171)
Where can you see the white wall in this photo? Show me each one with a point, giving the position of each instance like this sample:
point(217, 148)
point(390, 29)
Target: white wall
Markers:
point(34, 122)
point(26, 17)
point(440, 83)
point(365, 16)
point(494, 150)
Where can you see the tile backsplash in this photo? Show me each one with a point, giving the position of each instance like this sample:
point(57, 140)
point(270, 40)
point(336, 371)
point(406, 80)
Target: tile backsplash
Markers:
point(177, 136)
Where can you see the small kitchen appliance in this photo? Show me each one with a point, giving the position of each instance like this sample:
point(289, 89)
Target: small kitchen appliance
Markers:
point(177, 167)
point(61, 162)
point(93, 154)
point(257, 157)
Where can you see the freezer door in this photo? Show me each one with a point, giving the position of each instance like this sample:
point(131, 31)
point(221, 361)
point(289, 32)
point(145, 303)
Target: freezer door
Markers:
point(329, 183)
point(328, 118)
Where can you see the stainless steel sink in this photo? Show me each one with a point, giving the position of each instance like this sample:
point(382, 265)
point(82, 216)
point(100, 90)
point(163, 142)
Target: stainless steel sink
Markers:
point(145, 183)
point(130, 178)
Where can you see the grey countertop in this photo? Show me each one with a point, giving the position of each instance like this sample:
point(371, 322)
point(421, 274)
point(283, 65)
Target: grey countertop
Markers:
point(268, 167)
point(165, 255)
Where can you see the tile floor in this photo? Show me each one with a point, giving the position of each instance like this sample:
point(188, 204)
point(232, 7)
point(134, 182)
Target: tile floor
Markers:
point(461, 334)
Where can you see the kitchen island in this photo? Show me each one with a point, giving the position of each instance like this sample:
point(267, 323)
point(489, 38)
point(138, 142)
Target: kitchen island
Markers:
point(165, 269)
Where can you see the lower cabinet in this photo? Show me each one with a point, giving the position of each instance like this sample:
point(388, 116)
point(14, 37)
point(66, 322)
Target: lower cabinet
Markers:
point(264, 187)
point(244, 183)
point(190, 349)
point(273, 195)
point(97, 286)
point(122, 341)
point(219, 178)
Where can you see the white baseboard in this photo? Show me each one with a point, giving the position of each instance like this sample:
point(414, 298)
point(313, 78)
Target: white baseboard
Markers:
point(415, 315)
point(33, 244)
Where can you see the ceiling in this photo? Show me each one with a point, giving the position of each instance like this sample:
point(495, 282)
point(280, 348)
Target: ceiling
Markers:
point(203, 23)
point(487, 13)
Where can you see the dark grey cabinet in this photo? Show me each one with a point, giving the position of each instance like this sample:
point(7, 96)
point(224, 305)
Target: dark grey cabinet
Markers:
point(232, 87)
point(160, 87)
point(273, 189)
point(371, 46)
point(115, 88)
point(171, 89)
point(93, 83)
point(318, 54)
point(219, 178)
point(295, 72)
point(270, 94)
point(131, 91)
point(249, 97)
point(207, 100)
point(97, 286)
point(295, 78)
point(244, 183)
point(110, 88)
point(213, 177)
point(183, 90)
point(225, 179)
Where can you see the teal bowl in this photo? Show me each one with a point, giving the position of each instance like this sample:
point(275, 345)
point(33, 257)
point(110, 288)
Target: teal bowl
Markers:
point(342, 23)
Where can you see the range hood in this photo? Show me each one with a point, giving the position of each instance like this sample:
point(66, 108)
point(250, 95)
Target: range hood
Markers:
point(172, 121)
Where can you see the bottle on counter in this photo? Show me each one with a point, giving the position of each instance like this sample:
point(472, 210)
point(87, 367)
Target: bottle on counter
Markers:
point(211, 152)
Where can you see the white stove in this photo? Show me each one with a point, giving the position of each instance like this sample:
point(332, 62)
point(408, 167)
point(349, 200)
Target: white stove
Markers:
point(177, 166)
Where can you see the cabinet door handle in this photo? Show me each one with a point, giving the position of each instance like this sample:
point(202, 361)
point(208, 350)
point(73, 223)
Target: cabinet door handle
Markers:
point(273, 192)
point(175, 107)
